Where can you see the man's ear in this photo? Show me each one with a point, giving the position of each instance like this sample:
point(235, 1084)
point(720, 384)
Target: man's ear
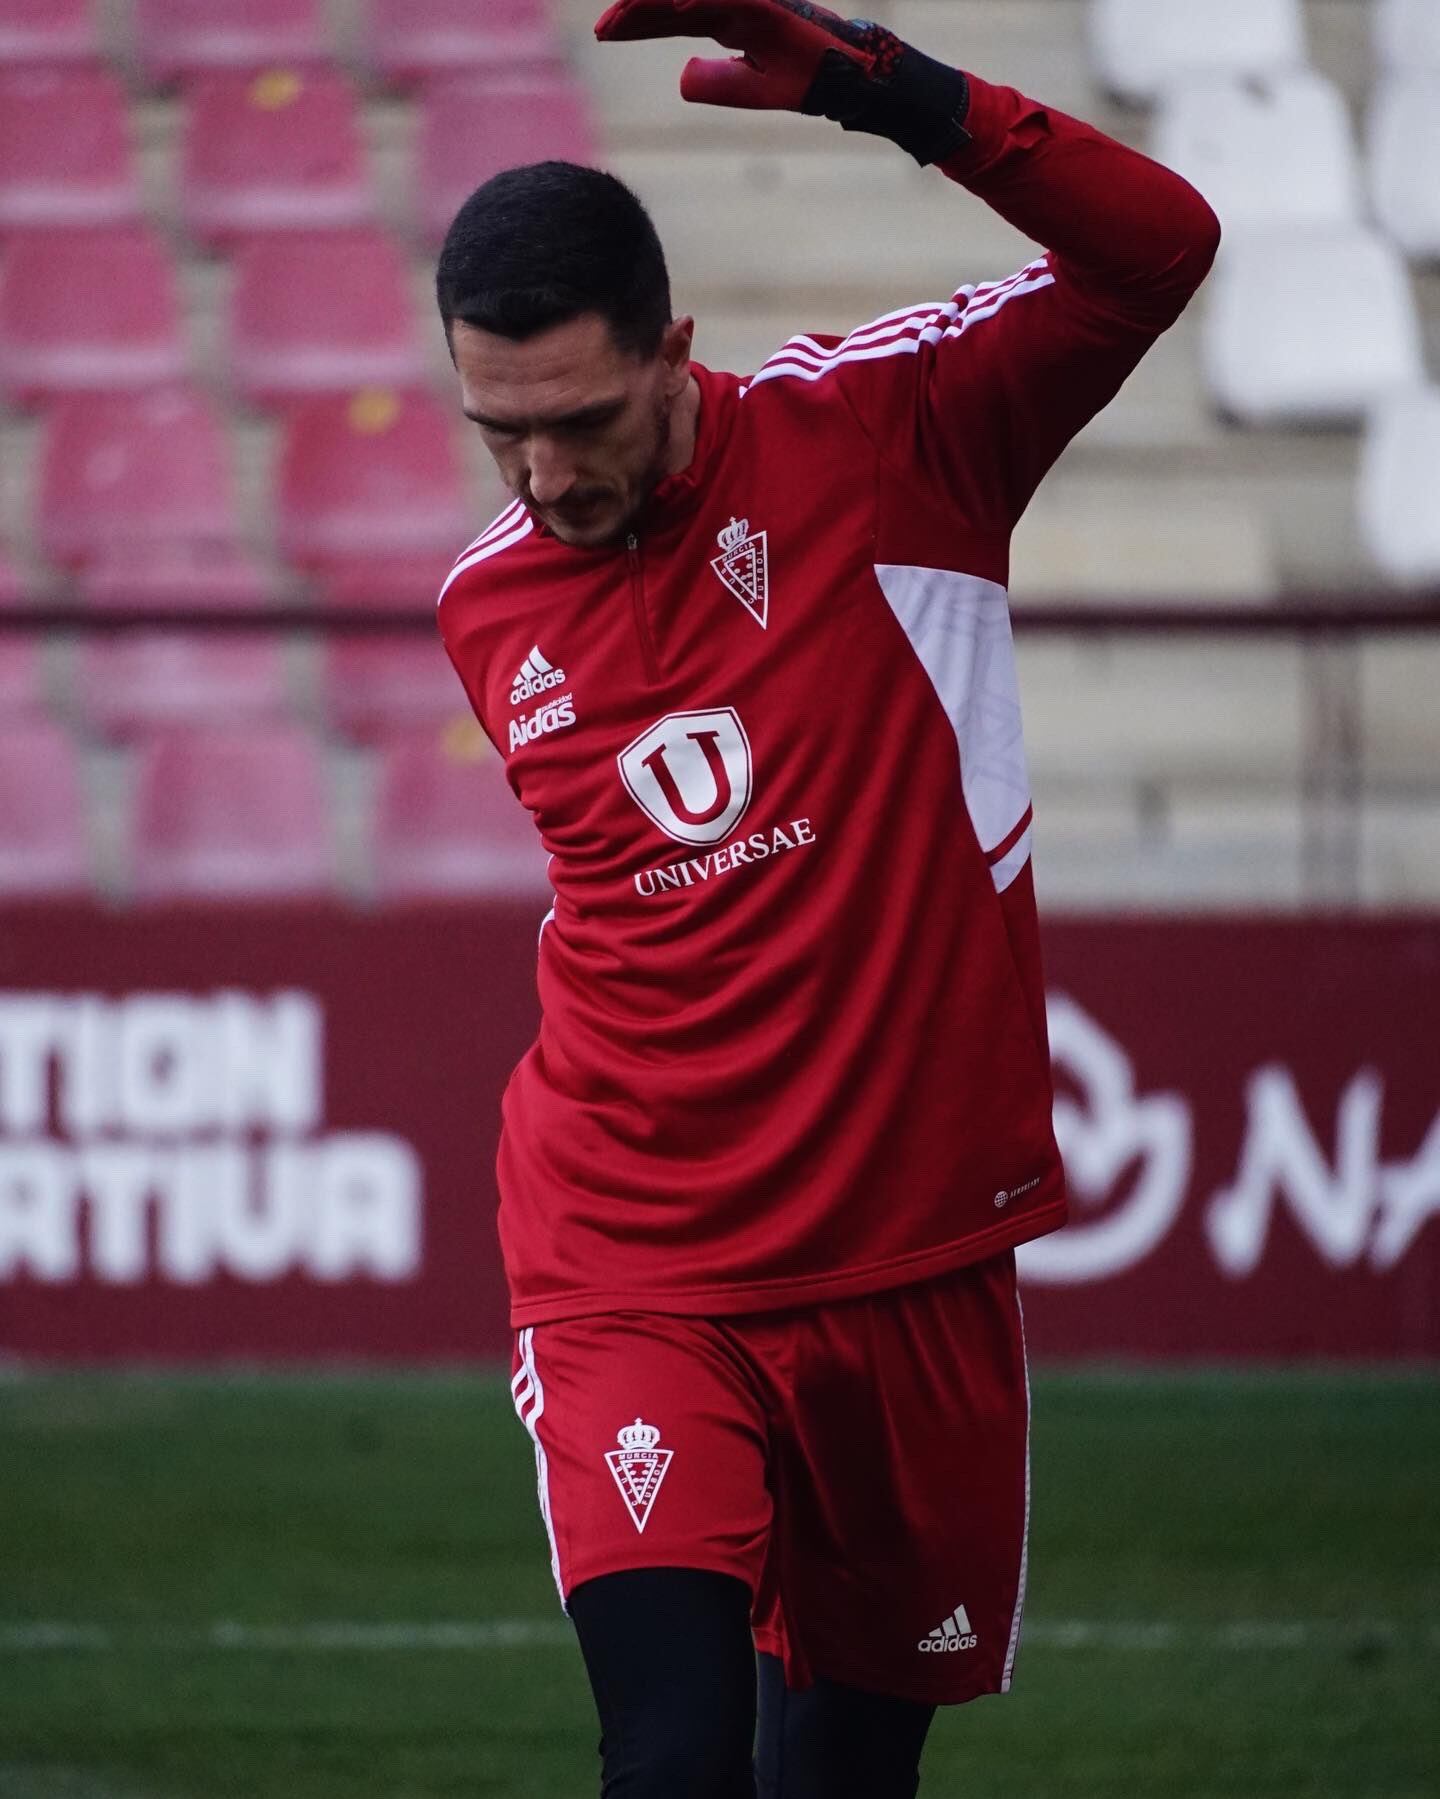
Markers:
point(675, 349)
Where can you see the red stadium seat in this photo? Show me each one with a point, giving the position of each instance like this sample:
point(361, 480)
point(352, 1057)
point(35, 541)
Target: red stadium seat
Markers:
point(56, 335)
point(48, 34)
point(145, 680)
point(322, 313)
point(386, 584)
point(22, 684)
point(241, 814)
point(22, 688)
point(44, 841)
point(12, 588)
point(136, 681)
point(411, 40)
point(194, 37)
point(278, 151)
point(132, 468)
point(448, 824)
point(65, 150)
point(375, 685)
point(182, 572)
point(470, 129)
point(369, 474)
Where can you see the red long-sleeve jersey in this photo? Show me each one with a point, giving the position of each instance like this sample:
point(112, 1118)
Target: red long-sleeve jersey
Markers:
point(793, 1040)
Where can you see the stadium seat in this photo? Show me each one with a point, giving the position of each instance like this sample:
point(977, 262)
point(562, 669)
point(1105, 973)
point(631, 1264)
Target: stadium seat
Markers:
point(469, 129)
point(277, 151)
point(194, 37)
point(22, 683)
point(1399, 494)
point(1407, 34)
point(178, 572)
point(65, 150)
point(1404, 160)
point(381, 583)
point(373, 685)
point(1309, 326)
point(322, 313)
point(138, 681)
point(1273, 150)
point(135, 681)
point(447, 824)
point(132, 468)
point(12, 588)
point(55, 338)
point(412, 40)
point(48, 34)
point(231, 814)
point(369, 474)
point(44, 841)
point(1137, 46)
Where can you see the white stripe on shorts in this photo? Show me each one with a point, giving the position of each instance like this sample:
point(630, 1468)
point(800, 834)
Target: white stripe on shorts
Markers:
point(530, 1403)
point(1025, 1538)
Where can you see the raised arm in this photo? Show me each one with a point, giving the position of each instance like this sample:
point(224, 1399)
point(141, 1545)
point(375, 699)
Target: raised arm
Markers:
point(1002, 376)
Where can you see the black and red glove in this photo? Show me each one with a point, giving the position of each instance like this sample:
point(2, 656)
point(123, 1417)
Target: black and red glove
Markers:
point(797, 57)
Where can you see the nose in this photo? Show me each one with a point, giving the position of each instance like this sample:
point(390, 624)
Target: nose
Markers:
point(551, 473)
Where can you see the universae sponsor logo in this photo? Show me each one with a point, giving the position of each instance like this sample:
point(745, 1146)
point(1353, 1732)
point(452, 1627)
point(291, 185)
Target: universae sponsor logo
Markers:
point(694, 871)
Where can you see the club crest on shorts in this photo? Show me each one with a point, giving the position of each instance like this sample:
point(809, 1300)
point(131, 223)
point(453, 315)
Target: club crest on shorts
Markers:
point(744, 566)
point(639, 1465)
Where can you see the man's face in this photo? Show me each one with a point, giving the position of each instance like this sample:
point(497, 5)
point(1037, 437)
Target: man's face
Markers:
point(579, 429)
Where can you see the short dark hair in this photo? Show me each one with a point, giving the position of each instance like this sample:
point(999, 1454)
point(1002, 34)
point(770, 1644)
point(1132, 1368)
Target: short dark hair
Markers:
point(540, 245)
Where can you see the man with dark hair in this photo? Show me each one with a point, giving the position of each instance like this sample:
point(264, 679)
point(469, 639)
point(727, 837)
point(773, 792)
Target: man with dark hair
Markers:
point(744, 646)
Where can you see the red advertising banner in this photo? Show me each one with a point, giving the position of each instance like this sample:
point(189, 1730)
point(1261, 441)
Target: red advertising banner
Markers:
point(267, 1133)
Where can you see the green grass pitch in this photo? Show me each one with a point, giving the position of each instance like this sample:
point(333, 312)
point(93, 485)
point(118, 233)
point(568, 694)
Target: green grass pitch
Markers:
point(1235, 1589)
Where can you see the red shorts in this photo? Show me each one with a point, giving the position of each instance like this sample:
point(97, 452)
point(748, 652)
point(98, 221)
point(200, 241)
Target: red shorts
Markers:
point(863, 1466)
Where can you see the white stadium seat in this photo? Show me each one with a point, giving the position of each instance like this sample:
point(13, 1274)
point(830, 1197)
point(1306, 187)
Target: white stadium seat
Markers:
point(1138, 46)
point(1407, 34)
point(1273, 150)
point(1404, 159)
point(1310, 326)
point(1399, 498)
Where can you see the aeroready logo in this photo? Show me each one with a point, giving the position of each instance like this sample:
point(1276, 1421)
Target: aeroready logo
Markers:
point(691, 774)
point(536, 676)
point(529, 726)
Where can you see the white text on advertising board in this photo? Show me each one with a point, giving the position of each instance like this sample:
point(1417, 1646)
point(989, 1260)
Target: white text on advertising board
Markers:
point(182, 1136)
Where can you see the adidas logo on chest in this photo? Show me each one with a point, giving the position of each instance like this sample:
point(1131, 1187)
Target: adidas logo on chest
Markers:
point(537, 676)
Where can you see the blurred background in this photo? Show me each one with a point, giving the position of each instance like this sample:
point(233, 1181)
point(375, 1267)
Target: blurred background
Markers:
point(268, 909)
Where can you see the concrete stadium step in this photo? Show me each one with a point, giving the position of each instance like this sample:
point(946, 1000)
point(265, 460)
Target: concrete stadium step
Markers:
point(1397, 681)
point(1184, 852)
point(1103, 542)
point(1148, 710)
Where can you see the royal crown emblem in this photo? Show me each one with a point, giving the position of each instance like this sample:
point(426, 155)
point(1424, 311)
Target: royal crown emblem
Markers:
point(744, 566)
point(639, 1465)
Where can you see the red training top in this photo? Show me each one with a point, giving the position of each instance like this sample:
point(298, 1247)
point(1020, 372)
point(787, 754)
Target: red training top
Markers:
point(793, 1042)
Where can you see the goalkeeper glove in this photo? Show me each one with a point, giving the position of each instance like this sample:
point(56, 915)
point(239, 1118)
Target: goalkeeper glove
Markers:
point(797, 57)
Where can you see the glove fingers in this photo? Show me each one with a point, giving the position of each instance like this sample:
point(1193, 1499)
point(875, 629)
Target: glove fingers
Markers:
point(727, 81)
point(629, 20)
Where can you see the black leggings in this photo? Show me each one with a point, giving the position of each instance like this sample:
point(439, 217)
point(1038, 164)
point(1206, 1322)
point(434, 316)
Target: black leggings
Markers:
point(673, 1670)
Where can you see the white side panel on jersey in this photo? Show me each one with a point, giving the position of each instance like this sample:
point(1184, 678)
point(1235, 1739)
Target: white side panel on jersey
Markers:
point(959, 627)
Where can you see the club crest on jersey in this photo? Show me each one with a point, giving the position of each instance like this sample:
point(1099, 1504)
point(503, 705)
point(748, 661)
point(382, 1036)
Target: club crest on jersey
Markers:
point(690, 774)
point(744, 566)
point(639, 1466)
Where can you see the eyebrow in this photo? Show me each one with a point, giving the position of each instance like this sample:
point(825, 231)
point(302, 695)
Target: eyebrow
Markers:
point(587, 415)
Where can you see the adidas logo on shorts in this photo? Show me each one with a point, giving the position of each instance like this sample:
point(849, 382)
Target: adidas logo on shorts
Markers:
point(536, 676)
point(955, 1633)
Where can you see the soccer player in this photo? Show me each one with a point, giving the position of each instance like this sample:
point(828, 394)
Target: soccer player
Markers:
point(744, 646)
